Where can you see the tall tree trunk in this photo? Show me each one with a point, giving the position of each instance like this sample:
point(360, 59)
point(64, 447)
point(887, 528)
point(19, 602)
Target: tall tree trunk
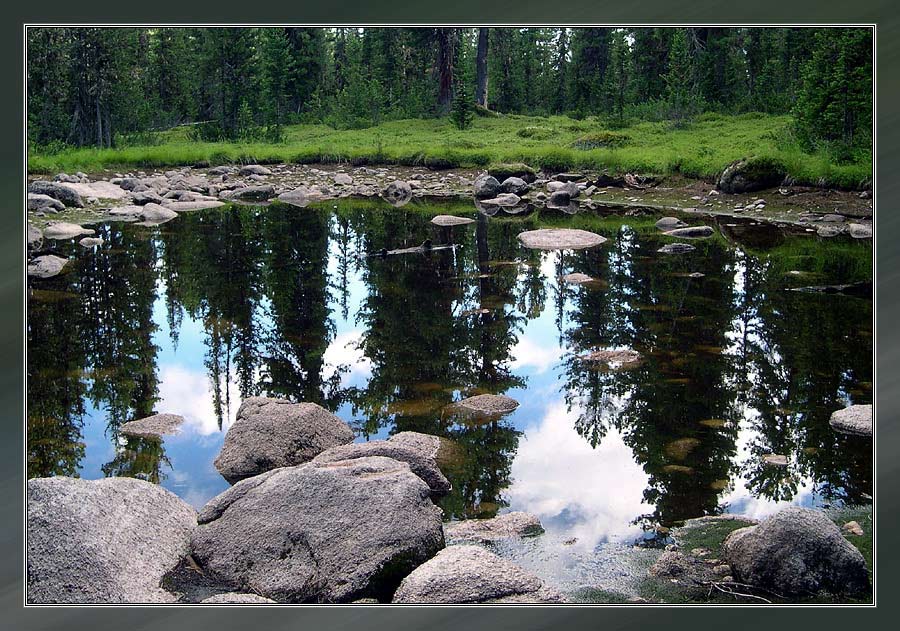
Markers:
point(446, 41)
point(481, 67)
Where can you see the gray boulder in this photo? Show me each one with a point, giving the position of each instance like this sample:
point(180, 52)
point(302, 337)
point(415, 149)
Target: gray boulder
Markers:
point(236, 598)
point(260, 193)
point(451, 220)
point(470, 574)
point(90, 242)
point(254, 169)
point(488, 404)
point(505, 526)
point(515, 185)
point(46, 266)
point(194, 205)
point(57, 191)
point(320, 532)
point(271, 433)
point(486, 187)
point(153, 426)
point(856, 420)
point(44, 203)
point(796, 551)
point(860, 230)
point(560, 239)
point(156, 214)
point(103, 541)
point(146, 197)
point(35, 235)
point(424, 466)
point(503, 199)
point(397, 192)
point(61, 230)
point(559, 199)
point(670, 223)
point(692, 232)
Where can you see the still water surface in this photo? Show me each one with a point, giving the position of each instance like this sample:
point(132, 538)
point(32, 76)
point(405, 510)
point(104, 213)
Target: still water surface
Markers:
point(195, 315)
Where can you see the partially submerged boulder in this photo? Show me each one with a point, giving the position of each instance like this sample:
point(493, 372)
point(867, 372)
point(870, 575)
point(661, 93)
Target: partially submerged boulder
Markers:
point(61, 230)
point(103, 541)
point(490, 404)
point(153, 426)
point(676, 248)
point(796, 551)
point(692, 232)
point(470, 574)
point(156, 214)
point(560, 239)
point(451, 220)
point(670, 223)
point(44, 203)
point(424, 466)
point(486, 187)
point(320, 532)
point(515, 185)
point(856, 420)
point(505, 526)
point(195, 205)
point(397, 192)
point(259, 193)
point(271, 433)
point(254, 169)
point(46, 266)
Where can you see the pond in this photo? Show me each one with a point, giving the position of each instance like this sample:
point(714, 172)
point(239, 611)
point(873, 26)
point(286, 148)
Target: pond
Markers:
point(195, 315)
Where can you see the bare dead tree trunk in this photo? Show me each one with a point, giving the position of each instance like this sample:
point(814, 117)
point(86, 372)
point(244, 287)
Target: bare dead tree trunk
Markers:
point(481, 67)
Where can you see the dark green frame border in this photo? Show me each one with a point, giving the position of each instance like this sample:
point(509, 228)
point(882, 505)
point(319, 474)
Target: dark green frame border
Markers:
point(883, 13)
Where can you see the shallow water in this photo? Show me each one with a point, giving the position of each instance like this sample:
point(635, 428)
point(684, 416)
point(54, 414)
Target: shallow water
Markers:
point(195, 315)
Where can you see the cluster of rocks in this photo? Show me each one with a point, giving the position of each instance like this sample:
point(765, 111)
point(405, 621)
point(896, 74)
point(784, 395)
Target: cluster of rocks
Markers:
point(312, 517)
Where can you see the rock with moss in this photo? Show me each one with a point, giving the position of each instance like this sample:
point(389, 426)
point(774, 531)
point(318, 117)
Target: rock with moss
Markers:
point(502, 171)
point(797, 551)
point(751, 174)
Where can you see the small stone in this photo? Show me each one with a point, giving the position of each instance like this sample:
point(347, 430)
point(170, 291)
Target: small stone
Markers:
point(853, 528)
point(488, 404)
point(153, 426)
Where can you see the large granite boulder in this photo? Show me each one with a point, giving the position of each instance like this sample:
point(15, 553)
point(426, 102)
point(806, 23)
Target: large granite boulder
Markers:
point(470, 574)
point(751, 174)
point(422, 465)
point(103, 541)
point(46, 266)
point(486, 187)
point(796, 551)
point(271, 433)
point(320, 532)
point(60, 192)
point(44, 203)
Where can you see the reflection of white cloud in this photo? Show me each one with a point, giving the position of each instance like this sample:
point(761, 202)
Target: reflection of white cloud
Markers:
point(189, 393)
point(529, 354)
point(593, 493)
point(345, 350)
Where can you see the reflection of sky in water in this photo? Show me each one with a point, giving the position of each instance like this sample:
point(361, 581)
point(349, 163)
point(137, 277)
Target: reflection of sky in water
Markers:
point(591, 495)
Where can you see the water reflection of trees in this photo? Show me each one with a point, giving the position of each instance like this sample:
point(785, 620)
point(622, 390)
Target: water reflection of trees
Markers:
point(713, 348)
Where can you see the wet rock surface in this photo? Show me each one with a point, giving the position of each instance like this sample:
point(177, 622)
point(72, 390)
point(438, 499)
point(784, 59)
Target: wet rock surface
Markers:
point(46, 266)
point(560, 239)
point(320, 532)
point(103, 541)
point(451, 220)
point(271, 433)
point(488, 404)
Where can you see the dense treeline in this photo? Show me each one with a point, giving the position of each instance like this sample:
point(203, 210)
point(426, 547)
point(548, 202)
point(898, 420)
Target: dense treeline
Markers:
point(106, 86)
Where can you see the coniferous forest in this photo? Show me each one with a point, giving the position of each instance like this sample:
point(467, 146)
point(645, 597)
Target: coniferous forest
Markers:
point(124, 87)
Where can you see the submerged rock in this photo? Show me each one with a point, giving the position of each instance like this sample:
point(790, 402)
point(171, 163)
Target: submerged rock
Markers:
point(470, 574)
point(488, 404)
point(270, 433)
point(153, 426)
point(181, 207)
point(424, 466)
point(103, 541)
point(320, 532)
point(676, 248)
point(237, 598)
point(796, 551)
point(505, 526)
point(856, 420)
point(451, 220)
point(560, 239)
point(46, 266)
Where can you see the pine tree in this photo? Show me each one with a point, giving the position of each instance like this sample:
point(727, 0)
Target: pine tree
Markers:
point(461, 112)
point(681, 93)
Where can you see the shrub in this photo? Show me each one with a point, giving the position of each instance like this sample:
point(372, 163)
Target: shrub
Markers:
point(537, 133)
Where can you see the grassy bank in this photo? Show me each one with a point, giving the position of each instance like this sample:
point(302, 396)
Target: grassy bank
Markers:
point(700, 150)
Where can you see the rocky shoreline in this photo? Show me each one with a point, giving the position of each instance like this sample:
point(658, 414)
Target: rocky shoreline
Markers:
point(318, 519)
point(153, 197)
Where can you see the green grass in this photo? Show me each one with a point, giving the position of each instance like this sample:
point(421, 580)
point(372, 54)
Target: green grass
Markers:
point(700, 150)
